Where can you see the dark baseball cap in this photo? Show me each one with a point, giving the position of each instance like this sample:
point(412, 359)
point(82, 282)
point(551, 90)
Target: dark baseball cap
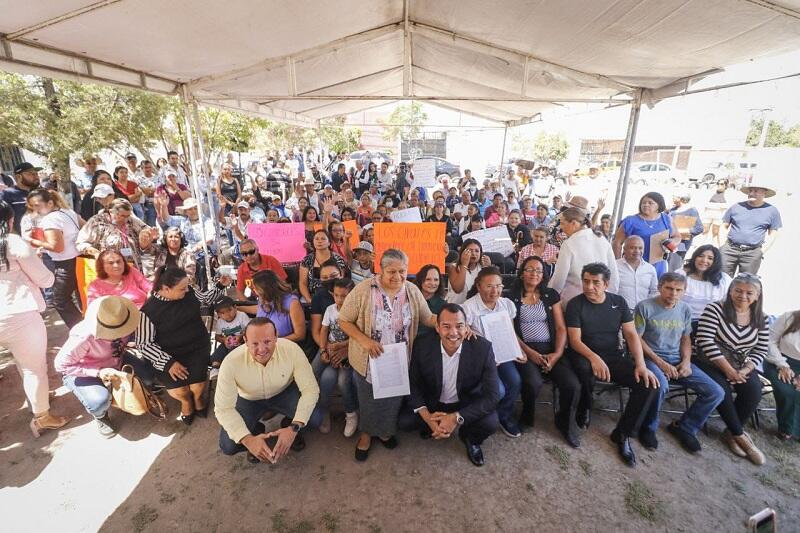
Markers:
point(22, 167)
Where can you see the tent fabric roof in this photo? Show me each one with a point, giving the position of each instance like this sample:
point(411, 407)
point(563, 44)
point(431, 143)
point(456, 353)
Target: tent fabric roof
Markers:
point(300, 61)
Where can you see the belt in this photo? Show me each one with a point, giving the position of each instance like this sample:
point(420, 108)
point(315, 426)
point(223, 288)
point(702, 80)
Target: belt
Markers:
point(743, 247)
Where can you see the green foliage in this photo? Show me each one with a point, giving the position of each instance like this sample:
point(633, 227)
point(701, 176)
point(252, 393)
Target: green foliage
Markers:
point(545, 148)
point(777, 134)
point(337, 137)
point(404, 123)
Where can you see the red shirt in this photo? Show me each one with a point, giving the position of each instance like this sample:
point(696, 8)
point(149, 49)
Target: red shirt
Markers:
point(245, 273)
point(128, 189)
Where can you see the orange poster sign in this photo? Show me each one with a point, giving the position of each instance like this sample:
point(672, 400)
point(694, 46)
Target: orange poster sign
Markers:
point(423, 242)
point(86, 273)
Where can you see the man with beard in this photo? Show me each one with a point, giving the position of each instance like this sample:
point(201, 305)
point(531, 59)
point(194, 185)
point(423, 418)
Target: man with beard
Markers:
point(27, 179)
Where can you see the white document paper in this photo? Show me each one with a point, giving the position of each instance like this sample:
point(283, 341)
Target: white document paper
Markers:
point(412, 214)
point(424, 173)
point(389, 372)
point(499, 330)
point(495, 240)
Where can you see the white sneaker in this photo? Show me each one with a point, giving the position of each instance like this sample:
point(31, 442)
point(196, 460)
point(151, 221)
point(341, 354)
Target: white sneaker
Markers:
point(213, 374)
point(325, 426)
point(350, 424)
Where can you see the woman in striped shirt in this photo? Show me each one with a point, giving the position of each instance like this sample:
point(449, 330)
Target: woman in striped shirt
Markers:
point(732, 340)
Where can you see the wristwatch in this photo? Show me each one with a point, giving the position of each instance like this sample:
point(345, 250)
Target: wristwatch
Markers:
point(459, 419)
point(295, 427)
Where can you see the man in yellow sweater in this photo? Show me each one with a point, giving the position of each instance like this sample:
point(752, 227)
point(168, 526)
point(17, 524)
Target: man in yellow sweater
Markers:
point(265, 374)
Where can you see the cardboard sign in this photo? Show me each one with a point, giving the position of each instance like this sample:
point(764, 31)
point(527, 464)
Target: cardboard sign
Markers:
point(282, 241)
point(349, 225)
point(423, 243)
point(412, 214)
point(424, 173)
point(494, 240)
point(656, 251)
point(85, 273)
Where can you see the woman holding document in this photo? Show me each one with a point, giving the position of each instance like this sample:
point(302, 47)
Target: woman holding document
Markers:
point(379, 314)
point(491, 316)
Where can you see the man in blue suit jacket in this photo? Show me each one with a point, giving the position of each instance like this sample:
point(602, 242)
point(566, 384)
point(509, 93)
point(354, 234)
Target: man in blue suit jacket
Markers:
point(454, 383)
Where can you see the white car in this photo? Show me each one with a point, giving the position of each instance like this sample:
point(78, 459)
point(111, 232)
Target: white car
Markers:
point(653, 173)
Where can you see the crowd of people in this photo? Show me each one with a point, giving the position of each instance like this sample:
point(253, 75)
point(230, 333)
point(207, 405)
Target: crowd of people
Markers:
point(636, 305)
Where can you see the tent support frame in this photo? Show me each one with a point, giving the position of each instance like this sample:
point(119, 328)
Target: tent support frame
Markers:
point(627, 158)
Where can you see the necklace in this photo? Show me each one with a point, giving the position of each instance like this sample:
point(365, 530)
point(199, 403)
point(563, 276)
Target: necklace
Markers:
point(650, 224)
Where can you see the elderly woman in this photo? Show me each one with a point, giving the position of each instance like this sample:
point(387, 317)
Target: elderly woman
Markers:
point(782, 367)
point(172, 250)
point(651, 219)
point(173, 337)
point(386, 309)
point(732, 341)
point(539, 247)
point(115, 228)
point(581, 248)
point(309, 280)
point(277, 302)
point(705, 280)
point(115, 277)
point(95, 352)
point(60, 226)
point(22, 329)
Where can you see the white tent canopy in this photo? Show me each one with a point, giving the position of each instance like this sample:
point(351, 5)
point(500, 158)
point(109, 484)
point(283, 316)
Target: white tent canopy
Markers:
point(302, 61)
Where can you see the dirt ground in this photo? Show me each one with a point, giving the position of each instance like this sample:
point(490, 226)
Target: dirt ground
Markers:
point(161, 475)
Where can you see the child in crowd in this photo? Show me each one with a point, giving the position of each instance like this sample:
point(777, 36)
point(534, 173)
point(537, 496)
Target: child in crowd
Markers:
point(228, 331)
point(361, 267)
point(331, 366)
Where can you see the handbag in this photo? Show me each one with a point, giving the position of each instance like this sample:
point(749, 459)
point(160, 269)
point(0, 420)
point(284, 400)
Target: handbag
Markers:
point(129, 394)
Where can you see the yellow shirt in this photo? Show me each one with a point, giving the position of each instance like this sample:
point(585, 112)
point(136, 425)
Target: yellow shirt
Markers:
point(241, 375)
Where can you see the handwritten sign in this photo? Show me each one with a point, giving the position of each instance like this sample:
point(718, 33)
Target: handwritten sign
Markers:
point(282, 241)
point(494, 240)
point(349, 225)
point(412, 214)
point(425, 173)
point(423, 243)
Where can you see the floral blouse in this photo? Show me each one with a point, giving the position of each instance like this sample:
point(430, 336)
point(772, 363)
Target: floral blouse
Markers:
point(101, 233)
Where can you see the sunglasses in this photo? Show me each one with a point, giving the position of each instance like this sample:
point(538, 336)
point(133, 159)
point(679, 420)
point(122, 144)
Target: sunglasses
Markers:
point(247, 252)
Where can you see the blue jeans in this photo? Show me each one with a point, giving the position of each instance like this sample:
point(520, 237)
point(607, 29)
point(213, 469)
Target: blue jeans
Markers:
point(510, 386)
point(709, 396)
point(251, 411)
point(149, 212)
point(328, 378)
point(94, 396)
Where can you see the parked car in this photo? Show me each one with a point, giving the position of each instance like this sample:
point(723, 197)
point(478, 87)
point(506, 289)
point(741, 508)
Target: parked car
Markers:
point(443, 166)
point(653, 173)
point(737, 174)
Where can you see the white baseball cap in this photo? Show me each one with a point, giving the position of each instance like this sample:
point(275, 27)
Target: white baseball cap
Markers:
point(102, 191)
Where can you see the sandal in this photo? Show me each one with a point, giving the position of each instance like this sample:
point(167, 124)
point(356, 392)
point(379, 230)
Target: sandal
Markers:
point(47, 421)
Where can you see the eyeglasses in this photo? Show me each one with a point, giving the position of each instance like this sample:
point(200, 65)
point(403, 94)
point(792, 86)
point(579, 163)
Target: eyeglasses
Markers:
point(247, 252)
point(533, 270)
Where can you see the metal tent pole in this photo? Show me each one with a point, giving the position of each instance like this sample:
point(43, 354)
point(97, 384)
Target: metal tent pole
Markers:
point(194, 177)
point(502, 155)
point(627, 158)
point(206, 170)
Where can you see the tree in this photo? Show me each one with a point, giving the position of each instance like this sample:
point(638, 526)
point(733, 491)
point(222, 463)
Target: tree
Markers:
point(338, 137)
point(404, 123)
point(777, 134)
point(545, 148)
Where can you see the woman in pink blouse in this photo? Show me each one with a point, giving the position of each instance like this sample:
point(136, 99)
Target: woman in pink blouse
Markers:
point(115, 277)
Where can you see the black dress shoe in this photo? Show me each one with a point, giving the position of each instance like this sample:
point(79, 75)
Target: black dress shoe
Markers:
point(425, 434)
point(526, 419)
point(252, 459)
point(390, 443)
point(624, 448)
point(361, 455)
point(583, 419)
point(572, 440)
point(299, 443)
point(648, 439)
point(187, 419)
point(687, 440)
point(202, 413)
point(474, 453)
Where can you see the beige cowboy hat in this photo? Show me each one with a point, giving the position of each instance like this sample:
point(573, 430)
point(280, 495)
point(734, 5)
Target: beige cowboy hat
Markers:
point(189, 203)
point(759, 183)
point(112, 317)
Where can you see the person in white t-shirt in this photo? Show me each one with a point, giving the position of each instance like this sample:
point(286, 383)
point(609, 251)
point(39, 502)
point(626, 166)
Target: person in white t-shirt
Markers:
point(60, 227)
point(228, 331)
point(510, 183)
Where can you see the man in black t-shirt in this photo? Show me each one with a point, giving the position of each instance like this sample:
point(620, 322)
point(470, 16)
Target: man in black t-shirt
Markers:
point(594, 320)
